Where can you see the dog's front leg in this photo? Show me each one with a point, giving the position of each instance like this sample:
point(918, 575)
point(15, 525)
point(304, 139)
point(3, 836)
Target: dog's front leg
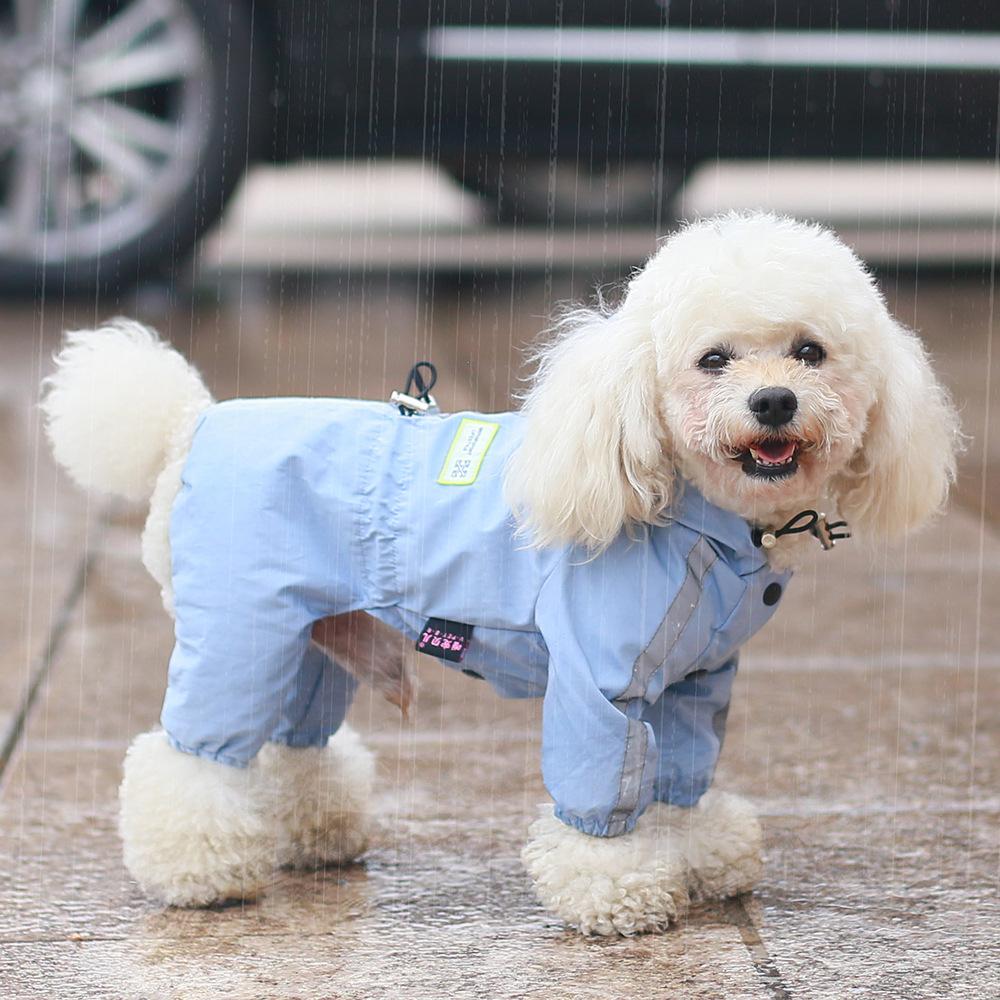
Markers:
point(642, 881)
point(370, 651)
point(630, 884)
point(607, 862)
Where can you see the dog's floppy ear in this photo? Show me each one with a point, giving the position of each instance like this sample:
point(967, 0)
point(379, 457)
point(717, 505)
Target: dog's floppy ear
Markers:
point(592, 459)
point(900, 476)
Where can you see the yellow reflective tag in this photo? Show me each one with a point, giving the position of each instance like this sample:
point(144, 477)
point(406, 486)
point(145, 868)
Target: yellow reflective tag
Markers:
point(468, 449)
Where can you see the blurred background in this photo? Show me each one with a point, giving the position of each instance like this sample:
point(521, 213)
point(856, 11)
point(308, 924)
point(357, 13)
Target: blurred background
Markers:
point(492, 137)
point(307, 196)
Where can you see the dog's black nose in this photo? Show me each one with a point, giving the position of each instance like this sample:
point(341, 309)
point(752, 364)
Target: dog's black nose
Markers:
point(774, 405)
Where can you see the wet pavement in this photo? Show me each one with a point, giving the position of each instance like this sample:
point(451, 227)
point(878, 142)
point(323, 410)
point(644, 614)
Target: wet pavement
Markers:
point(865, 725)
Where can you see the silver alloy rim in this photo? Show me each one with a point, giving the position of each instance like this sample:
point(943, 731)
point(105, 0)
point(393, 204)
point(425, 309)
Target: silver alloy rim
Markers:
point(103, 121)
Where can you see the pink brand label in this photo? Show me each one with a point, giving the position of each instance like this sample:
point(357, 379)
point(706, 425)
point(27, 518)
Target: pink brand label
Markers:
point(445, 639)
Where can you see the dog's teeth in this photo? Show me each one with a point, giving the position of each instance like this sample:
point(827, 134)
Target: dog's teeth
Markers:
point(769, 463)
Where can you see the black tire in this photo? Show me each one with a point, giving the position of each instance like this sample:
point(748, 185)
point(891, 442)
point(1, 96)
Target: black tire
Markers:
point(227, 144)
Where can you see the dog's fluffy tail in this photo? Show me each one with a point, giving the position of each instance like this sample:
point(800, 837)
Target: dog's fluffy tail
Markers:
point(115, 399)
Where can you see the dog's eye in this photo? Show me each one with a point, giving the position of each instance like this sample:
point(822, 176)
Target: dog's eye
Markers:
point(715, 360)
point(809, 353)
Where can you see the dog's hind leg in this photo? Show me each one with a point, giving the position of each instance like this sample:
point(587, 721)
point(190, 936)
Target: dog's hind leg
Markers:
point(198, 831)
point(323, 806)
point(195, 832)
point(321, 772)
point(323, 803)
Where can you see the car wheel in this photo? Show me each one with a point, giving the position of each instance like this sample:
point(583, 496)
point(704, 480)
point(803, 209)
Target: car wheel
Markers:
point(123, 128)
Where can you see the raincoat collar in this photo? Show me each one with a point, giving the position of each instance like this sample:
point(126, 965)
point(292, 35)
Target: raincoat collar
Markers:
point(726, 529)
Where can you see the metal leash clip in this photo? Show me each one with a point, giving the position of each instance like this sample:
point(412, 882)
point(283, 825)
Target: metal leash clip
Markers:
point(408, 405)
point(417, 398)
point(827, 532)
point(806, 520)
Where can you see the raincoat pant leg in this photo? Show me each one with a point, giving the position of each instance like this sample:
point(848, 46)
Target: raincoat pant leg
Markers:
point(243, 670)
point(234, 685)
point(689, 724)
point(316, 702)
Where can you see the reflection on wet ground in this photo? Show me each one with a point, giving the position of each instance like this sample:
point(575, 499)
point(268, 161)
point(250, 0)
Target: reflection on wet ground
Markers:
point(865, 726)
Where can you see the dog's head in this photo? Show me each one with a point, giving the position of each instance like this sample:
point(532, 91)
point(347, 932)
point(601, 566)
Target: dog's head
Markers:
point(754, 356)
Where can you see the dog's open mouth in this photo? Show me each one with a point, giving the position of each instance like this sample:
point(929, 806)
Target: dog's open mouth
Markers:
point(770, 458)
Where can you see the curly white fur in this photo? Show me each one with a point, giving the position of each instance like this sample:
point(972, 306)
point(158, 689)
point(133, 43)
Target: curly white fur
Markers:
point(120, 411)
point(619, 404)
point(117, 398)
point(196, 832)
point(723, 846)
point(643, 880)
point(593, 453)
point(323, 807)
point(156, 532)
point(622, 885)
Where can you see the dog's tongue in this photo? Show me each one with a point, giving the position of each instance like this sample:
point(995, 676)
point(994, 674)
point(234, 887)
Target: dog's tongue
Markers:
point(775, 451)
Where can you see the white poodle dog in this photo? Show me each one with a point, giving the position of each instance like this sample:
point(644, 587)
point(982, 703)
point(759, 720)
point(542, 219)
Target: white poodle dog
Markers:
point(609, 548)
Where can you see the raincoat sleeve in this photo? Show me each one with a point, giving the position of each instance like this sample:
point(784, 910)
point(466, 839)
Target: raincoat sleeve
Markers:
point(620, 630)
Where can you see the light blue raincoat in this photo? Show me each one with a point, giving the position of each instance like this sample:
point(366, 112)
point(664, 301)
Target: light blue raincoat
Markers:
point(294, 509)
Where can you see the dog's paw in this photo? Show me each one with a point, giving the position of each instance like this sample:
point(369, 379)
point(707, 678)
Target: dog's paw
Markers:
point(724, 847)
point(194, 832)
point(626, 885)
point(323, 800)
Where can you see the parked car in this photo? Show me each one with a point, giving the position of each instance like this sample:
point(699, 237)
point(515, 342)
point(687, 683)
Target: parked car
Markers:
point(126, 124)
